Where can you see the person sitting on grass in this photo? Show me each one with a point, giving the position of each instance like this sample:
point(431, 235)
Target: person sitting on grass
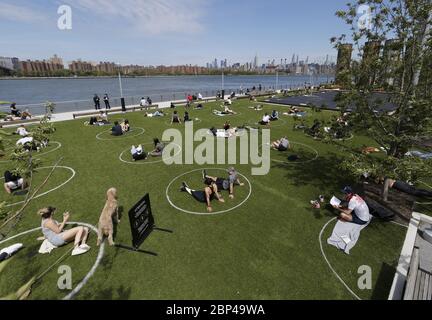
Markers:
point(175, 118)
point(281, 145)
point(228, 102)
point(158, 148)
point(13, 182)
point(186, 117)
point(117, 129)
point(357, 211)
point(55, 234)
point(265, 120)
point(228, 183)
point(22, 131)
point(102, 119)
point(206, 196)
point(199, 106)
point(138, 153)
point(15, 112)
point(125, 126)
point(26, 115)
point(274, 116)
point(172, 105)
point(315, 129)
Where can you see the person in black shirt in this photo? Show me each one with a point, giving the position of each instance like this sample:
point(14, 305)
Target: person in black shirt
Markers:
point(107, 102)
point(117, 129)
point(186, 117)
point(14, 111)
point(96, 101)
point(13, 182)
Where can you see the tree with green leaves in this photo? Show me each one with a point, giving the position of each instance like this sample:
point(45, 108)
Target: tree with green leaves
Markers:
point(393, 43)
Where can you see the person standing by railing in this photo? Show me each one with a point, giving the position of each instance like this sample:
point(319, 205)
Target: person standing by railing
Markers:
point(96, 101)
point(107, 102)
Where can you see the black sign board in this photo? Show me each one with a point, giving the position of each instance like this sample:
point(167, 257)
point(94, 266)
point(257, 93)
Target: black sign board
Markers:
point(141, 221)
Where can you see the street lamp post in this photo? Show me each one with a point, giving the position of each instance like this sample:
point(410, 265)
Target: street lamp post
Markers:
point(122, 99)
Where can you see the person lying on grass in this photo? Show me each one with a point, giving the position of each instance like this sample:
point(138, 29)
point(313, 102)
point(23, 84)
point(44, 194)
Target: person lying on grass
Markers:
point(117, 129)
point(14, 182)
point(228, 183)
point(407, 188)
point(207, 195)
point(138, 153)
point(158, 148)
point(29, 144)
point(54, 232)
point(357, 211)
point(22, 131)
point(155, 114)
point(281, 145)
point(176, 118)
point(257, 108)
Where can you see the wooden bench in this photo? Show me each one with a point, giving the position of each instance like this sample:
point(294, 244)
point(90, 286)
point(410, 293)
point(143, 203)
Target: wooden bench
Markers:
point(118, 109)
point(15, 122)
point(419, 282)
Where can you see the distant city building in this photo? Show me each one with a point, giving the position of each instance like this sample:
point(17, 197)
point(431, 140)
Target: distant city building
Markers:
point(7, 63)
point(371, 55)
point(81, 66)
point(343, 63)
point(391, 57)
point(44, 67)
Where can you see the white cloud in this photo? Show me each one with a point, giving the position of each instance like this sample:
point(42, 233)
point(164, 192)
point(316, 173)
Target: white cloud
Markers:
point(149, 16)
point(19, 13)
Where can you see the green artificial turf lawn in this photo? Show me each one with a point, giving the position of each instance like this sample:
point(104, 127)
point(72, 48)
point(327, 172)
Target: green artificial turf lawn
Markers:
point(267, 248)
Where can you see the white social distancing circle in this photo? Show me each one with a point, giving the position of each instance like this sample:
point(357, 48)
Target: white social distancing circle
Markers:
point(36, 154)
point(99, 257)
point(51, 190)
point(206, 213)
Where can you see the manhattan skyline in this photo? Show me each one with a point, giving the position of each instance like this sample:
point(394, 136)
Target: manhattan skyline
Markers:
point(149, 32)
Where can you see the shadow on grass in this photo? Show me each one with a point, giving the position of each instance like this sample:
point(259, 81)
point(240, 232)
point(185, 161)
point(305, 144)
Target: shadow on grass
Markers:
point(323, 174)
point(120, 293)
point(384, 282)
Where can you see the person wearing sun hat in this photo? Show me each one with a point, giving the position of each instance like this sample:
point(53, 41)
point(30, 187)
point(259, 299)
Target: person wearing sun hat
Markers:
point(357, 211)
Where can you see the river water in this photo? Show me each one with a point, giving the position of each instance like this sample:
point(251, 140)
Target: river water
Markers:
point(76, 94)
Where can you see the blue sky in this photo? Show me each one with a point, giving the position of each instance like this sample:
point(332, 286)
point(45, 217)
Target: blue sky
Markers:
point(150, 32)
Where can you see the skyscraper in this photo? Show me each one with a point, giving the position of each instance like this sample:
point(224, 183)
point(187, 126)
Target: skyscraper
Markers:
point(343, 63)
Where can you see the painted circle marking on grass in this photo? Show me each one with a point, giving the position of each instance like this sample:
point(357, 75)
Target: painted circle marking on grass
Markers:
point(37, 154)
point(347, 139)
point(141, 162)
point(297, 162)
point(328, 262)
point(206, 213)
point(99, 257)
point(51, 190)
point(140, 131)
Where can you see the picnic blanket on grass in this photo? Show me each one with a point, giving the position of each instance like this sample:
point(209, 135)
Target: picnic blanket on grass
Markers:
point(345, 235)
